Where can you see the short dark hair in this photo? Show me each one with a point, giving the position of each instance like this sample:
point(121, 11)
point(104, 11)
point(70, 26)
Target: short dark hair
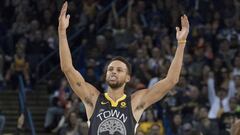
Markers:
point(122, 59)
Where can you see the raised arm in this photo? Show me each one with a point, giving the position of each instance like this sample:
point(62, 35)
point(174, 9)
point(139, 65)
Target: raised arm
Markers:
point(114, 13)
point(231, 89)
point(84, 90)
point(147, 97)
point(211, 88)
point(129, 13)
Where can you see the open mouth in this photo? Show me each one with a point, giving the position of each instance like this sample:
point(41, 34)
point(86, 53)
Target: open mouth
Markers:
point(112, 78)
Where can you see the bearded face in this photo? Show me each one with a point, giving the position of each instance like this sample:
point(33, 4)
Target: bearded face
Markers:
point(117, 75)
point(114, 82)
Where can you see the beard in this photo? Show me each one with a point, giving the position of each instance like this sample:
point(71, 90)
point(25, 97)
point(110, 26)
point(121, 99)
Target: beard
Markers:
point(115, 85)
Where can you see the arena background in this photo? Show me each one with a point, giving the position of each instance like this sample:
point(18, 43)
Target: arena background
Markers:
point(35, 97)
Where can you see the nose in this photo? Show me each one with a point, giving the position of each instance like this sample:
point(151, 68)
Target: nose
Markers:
point(113, 72)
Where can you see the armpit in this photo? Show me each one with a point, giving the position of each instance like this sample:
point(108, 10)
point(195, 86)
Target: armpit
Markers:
point(140, 106)
point(88, 101)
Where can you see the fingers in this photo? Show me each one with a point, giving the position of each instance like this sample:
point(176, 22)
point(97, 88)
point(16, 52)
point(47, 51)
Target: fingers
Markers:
point(64, 9)
point(68, 16)
point(177, 29)
point(184, 21)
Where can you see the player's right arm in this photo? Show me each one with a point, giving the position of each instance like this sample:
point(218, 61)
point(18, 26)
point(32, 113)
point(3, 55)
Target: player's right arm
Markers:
point(87, 93)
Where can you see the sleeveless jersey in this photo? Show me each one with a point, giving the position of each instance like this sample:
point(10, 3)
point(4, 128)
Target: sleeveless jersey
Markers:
point(112, 118)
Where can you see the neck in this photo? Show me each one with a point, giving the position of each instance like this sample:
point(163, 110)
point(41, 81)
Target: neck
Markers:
point(117, 93)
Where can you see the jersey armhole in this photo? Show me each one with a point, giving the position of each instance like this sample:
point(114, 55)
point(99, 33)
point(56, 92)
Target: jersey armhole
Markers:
point(131, 111)
point(95, 108)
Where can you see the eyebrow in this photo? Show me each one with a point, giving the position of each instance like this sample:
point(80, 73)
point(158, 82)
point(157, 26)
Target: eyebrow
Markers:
point(118, 68)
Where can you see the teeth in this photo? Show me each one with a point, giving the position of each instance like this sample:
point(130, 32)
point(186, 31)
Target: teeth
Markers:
point(113, 78)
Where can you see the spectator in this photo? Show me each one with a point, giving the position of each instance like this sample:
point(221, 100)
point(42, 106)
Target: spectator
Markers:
point(2, 122)
point(20, 124)
point(219, 101)
point(1, 68)
point(155, 130)
point(207, 126)
point(177, 124)
point(73, 105)
point(53, 115)
point(58, 102)
point(236, 69)
point(226, 122)
point(142, 32)
point(235, 130)
point(72, 126)
point(151, 125)
point(121, 29)
point(19, 66)
point(234, 106)
point(139, 132)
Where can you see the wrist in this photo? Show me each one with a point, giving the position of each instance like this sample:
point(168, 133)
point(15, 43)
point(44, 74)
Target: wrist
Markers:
point(182, 42)
point(61, 32)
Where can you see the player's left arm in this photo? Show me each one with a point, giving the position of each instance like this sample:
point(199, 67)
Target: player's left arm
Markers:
point(161, 88)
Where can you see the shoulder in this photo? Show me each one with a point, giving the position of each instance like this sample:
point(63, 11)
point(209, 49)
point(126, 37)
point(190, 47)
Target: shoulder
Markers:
point(139, 93)
point(137, 99)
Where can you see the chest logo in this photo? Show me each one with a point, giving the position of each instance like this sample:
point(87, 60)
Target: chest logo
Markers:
point(111, 126)
point(104, 103)
point(123, 105)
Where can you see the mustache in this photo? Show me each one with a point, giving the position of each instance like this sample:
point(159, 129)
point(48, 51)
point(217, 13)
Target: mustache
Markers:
point(113, 76)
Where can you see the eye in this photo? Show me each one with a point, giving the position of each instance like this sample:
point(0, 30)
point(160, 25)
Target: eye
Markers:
point(119, 70)
point(110, 69)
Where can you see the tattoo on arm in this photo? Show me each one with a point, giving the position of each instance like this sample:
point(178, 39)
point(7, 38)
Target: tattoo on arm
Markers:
point(79, 84)
point(86, 99)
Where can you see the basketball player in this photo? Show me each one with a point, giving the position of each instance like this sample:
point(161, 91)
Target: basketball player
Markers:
point(115, 113)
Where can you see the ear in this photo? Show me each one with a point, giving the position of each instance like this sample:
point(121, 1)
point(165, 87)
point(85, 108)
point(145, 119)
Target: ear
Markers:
point(128, 78)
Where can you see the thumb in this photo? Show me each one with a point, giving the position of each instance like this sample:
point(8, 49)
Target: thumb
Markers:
point(177, 29)
point(68, 16)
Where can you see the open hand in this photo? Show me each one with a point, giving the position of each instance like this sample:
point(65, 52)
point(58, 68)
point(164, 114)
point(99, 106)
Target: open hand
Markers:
point(183, 33)
point(63, 19)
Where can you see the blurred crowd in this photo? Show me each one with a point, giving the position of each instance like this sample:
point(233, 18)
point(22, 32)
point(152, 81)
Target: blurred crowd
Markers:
point(207, 97)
